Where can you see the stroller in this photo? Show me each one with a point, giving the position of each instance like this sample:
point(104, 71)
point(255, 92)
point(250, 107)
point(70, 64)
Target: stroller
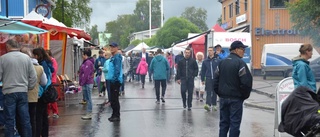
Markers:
point(300, 113)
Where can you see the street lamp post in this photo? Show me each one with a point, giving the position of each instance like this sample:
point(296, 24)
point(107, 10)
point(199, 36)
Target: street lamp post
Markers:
point(150, 18)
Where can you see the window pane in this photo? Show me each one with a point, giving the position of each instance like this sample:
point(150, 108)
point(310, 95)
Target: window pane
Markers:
point(278, 3)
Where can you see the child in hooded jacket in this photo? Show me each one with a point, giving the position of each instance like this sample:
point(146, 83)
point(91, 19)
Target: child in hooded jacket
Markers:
point(142, 70)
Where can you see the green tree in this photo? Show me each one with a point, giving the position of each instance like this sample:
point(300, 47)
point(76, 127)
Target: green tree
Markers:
point(135, 42)
point(197, 16)
point(305, 14)
point(93, 31)
point(73, 14)
point(175, 29)
point(120, 29)
point(219, 21)
point(142, 13)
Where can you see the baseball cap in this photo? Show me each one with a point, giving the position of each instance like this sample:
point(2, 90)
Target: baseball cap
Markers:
point(113, 44)
point(217, 46)
point(237, 44)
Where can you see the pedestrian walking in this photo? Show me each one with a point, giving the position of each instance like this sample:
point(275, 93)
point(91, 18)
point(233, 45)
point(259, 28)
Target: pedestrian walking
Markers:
point(86, 75)
point(135, 62)
point(149, 59)
point(42, 107)
point(142, 71)
point(233, 84)
point(98, 64)
point(18, 76)
point(302, 74)
point(53, 106)
point(115, 77)
point(125, 70)
point(33, 94)
point(207, 74)
point(186, 72)
point(198, 86)
point(159, 67)
point(170, 61)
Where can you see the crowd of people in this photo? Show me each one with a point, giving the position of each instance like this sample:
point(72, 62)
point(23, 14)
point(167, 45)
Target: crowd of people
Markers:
point(219, 74)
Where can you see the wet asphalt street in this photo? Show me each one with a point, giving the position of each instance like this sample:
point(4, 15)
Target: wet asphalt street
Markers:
point(142, 117)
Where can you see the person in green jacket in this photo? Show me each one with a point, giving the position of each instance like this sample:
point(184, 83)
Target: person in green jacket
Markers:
point(159, 67)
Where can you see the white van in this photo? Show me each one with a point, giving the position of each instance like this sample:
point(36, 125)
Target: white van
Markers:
point(278, 57)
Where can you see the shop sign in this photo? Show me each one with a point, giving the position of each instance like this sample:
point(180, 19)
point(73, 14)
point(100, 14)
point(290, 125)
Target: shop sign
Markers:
point(226, 25)
point(241, 18)
point(262, 32)
point(43, 10)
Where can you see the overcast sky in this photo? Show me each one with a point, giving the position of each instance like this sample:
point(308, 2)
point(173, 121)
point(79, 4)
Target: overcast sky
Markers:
point(108, 10)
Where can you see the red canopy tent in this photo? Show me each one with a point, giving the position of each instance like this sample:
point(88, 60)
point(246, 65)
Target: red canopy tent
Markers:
point(57, 31)
point(197, 43)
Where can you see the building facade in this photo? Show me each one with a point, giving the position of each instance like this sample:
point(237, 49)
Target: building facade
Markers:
point(17, 9)
point(141, 35)
point(268, 21)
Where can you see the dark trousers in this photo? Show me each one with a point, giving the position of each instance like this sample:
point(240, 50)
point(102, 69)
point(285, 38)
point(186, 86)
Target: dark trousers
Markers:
point(211, 95)
point(150, 75)
point(143, 78)
point(33, 116)
point(230, 117)
point(108, 84)
point(187, 85)
point(114, 100)
point(1, 108)
point(124, 81)
point(163, 87)
point(42, 119)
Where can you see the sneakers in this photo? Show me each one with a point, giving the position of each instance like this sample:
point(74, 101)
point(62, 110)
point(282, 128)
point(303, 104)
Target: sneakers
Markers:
point(206, 107)
point(201, 99)
point(162, 99)
point(87, 117)
point(214, 108)
point(114, 119)
point(55, 116)
point(189, 108)
point(100, 94)
point(83, 102)
point(158, 101)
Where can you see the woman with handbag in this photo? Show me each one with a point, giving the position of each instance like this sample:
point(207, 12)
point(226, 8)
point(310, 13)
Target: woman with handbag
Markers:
point(42, 124)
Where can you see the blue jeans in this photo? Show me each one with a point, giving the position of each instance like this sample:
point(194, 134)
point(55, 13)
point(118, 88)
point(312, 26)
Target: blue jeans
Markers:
point(230, 117)
point(17, 102)
point(87, 91)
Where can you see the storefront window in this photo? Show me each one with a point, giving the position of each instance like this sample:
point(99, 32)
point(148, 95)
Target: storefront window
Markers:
point(231, 10)
point(245, 5)
point(224, 13)
point(278, 3)
point(237, 7)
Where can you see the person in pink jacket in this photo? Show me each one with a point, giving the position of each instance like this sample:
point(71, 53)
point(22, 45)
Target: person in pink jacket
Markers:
point(142, 70)
point(53, 106)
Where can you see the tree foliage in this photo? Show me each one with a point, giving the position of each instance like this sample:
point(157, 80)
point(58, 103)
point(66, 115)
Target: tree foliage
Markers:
point(305, 14)
point(219, 21)
point(175, 29)
point(93, 31)
point(142, 13)
point(120, 29)
point(197, 16)
point(73, 14)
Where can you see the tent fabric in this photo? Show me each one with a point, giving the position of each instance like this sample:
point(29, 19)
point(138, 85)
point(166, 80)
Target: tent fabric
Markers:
point(53, 26)
point(129, 48)
point(9, 26)
point(217, 28)
point(140, 46)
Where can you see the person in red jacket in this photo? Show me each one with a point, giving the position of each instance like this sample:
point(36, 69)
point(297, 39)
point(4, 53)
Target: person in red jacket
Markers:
point(53, 106)
point(142, 70)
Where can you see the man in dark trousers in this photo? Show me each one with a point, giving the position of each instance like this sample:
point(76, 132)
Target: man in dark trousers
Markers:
point(233, 84)
point(115, 75)
point(207, 72)
point(187, 70)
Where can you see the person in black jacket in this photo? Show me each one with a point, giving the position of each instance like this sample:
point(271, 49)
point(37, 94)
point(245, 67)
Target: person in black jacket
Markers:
point(233, 84)
point(187, 70)
point(207, 72)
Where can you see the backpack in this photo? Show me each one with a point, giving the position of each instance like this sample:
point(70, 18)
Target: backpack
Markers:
point(50, 95)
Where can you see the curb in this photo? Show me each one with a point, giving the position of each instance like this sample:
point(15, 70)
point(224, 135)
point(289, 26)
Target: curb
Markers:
point(264, 93)
point(249, 104)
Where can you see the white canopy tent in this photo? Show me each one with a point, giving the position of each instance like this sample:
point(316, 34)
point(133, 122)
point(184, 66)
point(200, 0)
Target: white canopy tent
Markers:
point(175, 50)
point(139, 47)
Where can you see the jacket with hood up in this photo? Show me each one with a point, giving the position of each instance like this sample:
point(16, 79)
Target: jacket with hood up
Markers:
point(86, 72)
point(159, 67)
point(302, 74)
point(142, 67)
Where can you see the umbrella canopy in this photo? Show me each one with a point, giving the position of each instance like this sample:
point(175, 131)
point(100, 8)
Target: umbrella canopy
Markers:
point(16, 27)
